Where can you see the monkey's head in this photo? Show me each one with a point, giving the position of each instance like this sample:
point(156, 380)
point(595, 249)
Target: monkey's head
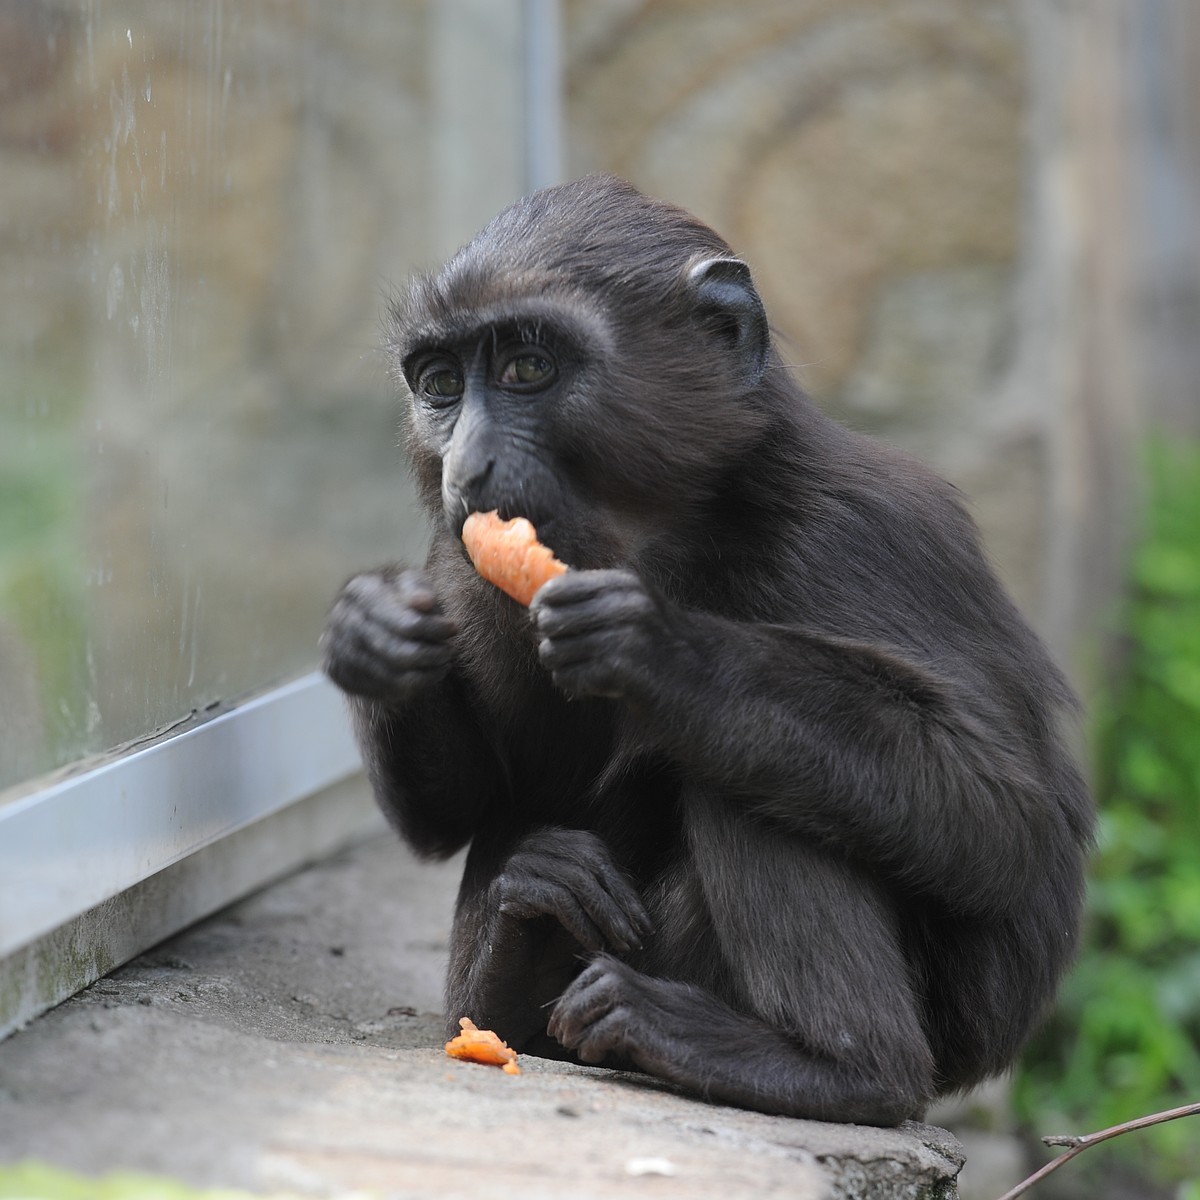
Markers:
point(592, 353)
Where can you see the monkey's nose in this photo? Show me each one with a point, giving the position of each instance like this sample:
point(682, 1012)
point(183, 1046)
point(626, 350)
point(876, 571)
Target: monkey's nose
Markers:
point(460, 498)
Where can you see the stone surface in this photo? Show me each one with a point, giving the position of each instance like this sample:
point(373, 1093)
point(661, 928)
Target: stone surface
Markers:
point(293, 1042)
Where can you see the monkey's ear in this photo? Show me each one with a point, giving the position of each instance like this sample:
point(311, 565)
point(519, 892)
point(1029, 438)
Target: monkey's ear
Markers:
point(727, 298)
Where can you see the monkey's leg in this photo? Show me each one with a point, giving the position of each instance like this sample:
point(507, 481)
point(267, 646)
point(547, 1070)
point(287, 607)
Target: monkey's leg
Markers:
point(524, 925)
point(682, 1034)
point(807, 1006)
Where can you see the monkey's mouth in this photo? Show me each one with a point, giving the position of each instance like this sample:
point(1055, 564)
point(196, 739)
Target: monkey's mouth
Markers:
point(545, 527)
point(506, 512)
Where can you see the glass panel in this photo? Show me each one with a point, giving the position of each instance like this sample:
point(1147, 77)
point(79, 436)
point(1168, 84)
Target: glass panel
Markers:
point(202, 205)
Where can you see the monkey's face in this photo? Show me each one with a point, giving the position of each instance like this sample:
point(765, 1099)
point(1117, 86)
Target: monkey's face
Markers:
point(595, 370)
point(495, 420)
point(602, 436)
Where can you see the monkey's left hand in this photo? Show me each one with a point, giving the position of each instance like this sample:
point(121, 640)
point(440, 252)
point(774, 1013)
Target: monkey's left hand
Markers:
point(599, 632)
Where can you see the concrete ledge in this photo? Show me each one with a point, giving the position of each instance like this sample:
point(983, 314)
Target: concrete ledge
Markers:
point(291, 1043)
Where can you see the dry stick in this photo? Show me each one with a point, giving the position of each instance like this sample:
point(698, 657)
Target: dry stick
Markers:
point(1080, 1142)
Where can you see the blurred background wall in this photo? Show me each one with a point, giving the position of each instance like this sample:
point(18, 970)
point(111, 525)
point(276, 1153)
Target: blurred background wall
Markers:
point(202, 210)
point(974, 224)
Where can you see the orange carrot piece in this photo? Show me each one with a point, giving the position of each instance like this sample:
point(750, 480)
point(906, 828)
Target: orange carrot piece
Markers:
point(508, 554)
point(482, 1046)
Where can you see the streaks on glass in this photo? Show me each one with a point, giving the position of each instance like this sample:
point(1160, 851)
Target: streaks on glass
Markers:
point(201, 202)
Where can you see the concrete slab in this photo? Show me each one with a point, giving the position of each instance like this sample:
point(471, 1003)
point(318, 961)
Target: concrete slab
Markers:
point(292, 1042)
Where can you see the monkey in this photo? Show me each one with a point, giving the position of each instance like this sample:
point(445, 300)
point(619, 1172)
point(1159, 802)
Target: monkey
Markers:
point(768, 796)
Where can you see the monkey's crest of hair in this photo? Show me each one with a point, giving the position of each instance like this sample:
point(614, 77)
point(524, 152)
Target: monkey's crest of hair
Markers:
point(598, 234)
point(594, 237)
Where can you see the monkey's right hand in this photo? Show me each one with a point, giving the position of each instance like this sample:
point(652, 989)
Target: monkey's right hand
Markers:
point(386, 637)
point(569, 875)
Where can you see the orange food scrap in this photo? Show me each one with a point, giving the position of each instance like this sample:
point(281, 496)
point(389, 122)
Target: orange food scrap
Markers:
point(482, 1046)
point(508, 554)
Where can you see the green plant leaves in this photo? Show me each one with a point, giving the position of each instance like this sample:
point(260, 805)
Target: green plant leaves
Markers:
point(1125, 1039)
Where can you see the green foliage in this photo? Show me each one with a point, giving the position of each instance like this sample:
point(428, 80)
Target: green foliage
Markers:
point(42, 520)
point(1125, 1040)
point(38, 1181)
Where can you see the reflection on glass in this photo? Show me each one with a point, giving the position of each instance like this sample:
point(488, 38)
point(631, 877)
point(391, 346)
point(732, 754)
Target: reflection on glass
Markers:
point(202, 206)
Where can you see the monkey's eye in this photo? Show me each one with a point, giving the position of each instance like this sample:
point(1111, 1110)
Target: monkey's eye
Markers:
point(440, 383)
point(528, 371)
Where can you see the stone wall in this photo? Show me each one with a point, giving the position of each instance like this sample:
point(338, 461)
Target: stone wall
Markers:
point(934, 197)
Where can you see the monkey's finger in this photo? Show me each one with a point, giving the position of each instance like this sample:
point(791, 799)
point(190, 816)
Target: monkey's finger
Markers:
point(620, 933)
point(604, 611)
point(598, 894)
point(402, 638)
point(596, 646)
point(420, 627)
point(593, 917)
point(579, 585)
point(375, 641)
point(619, 915)
point(603, 1037)
point(402, 622)
point(369, 681)
point(590, 997)
point(554, 901)
point(625, 896)
point(415, 591)
point(363, 673)
point(582, 862)
point(587, 588)
point(410, 586)
point(602, 879)
point(405, 605)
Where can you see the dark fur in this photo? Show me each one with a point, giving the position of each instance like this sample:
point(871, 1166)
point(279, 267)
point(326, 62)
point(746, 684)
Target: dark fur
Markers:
point(767, 797)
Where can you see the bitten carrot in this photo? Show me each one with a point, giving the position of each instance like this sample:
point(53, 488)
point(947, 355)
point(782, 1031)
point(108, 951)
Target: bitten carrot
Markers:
point(508, 554)
point(482, 1046)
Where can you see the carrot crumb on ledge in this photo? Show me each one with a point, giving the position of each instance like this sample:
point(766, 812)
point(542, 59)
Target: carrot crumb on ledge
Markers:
point(482, 1046)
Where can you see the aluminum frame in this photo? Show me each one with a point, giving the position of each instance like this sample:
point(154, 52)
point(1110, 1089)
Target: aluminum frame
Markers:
point(84, 839)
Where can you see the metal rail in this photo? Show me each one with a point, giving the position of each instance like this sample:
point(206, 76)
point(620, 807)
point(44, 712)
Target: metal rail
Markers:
point(87, 837)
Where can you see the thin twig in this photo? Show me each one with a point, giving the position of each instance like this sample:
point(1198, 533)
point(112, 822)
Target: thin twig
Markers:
point(1078, 1143)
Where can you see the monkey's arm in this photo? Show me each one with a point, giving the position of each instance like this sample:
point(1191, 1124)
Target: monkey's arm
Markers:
point(429, 767)
point(389, 646)
point(854, 744)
